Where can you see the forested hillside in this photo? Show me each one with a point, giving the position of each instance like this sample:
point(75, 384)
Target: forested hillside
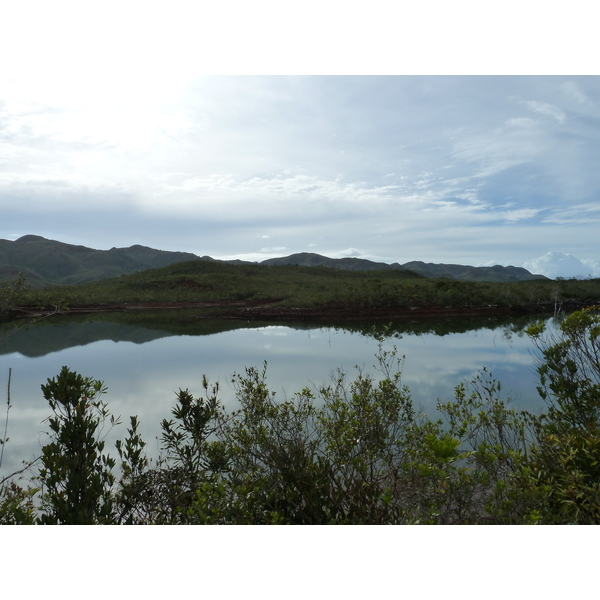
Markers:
point(47, 262)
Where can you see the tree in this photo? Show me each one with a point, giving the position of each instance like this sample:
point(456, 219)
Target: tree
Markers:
point(76, 476)
point(483, 483)
point(11, 292)
point(274, 473)
point(565, 458)
point(188, 474)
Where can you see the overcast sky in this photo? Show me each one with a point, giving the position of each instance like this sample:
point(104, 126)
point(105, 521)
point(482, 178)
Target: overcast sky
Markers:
point(114, 133)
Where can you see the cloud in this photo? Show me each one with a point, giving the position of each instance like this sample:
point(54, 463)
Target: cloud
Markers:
point(593, 266)
point(116, 128)
point(285, 196)
point(579, 213)
point(517, 141)
point(574, 91)
point(522, 122)
point(547, 109)
point(512, 216)
point(557, 264)
point(273, 249)
point(349, 253)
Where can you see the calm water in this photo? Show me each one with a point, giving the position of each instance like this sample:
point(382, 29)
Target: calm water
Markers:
point(145, 359)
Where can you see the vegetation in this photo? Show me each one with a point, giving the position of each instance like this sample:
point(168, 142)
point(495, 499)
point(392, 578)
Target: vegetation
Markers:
point(75, 476)
point(354, 451)
point(11, 294)
point(307, 288)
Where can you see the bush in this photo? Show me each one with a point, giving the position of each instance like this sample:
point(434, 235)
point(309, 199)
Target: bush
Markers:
point(76, 477)
point(565, 459)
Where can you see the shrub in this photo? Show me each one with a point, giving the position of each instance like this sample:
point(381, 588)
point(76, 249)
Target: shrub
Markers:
point(76, 476)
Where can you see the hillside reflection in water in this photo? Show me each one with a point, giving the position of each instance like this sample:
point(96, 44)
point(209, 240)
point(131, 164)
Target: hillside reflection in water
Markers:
point(144, 359)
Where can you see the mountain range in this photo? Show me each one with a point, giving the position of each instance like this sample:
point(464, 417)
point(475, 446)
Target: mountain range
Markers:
point(48, 262)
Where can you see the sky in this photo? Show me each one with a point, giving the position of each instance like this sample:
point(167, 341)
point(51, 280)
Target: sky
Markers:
point(259, 136)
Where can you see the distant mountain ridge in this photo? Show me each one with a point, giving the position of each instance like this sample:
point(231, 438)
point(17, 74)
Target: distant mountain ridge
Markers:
point(308, 259)
point(432, 270)
point(468, 273)
point(48, 262)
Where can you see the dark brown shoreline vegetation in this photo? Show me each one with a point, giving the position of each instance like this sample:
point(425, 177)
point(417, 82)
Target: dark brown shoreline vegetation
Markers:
point(353, 451)
point(261, 310)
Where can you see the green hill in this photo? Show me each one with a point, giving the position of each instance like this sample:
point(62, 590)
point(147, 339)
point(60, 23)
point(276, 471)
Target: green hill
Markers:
point(467, 273)
point(431, 270)
point(214, 281)
point(51, 263)
point(48, 262)
point(308, 259)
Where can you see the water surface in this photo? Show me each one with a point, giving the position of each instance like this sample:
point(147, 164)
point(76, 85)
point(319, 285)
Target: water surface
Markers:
point(145, 359)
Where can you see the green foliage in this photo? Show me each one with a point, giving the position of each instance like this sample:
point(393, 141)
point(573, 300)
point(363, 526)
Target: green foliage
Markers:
point(16, 504)
point(195, 459)
point(570, 369)
point(315, 287)
point(76, 476)
point(273, 473)
point(131, 484)
point(565, 468)
point(12, 293)
point(365, 426)
point(565, 459)
point(493, 440)
point(186, 440)
point(165, 494)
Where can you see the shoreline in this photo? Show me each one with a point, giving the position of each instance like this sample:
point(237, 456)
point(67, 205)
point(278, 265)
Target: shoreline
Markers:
point(271, 310)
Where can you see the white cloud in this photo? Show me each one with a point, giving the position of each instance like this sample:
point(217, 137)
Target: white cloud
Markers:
point(522, 122)
point(349, 253)
point(579, 213)
point(273, 249)
point(516, 142)
point(574, 91)
point(522, 213)
point(308, 197)
point(124, 129)
point(593, 266)
point(557, 264)
point(487, 263)
point(545, 108)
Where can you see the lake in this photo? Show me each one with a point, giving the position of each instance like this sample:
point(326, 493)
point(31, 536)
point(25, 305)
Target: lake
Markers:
point(145, 358)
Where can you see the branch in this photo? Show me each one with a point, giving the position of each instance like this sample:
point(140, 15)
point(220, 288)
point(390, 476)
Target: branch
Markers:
point(27, 466)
